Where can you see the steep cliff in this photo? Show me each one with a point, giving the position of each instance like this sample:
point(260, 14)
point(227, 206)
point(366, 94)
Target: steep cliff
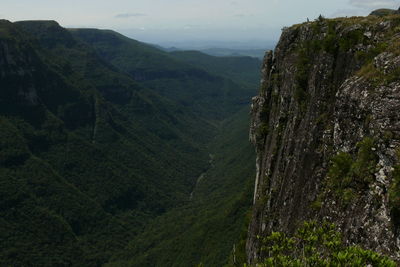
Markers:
point(326, 128)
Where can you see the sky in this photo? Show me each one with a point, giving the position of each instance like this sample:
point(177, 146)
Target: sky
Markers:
point(245, 23)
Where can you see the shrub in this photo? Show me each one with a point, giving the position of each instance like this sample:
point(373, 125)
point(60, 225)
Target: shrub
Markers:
point(262, 131)
point(347, 176)
point(316, 244)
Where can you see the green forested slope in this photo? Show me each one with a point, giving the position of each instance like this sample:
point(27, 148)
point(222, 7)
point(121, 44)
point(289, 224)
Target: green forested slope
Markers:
point(119, 171)
point(243, 70)
point(207, 94)
point(90, 156)
point(213, 221)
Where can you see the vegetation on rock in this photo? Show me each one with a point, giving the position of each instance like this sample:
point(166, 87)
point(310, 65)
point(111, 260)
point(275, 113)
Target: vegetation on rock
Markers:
point(325, 136)
point(316, 244)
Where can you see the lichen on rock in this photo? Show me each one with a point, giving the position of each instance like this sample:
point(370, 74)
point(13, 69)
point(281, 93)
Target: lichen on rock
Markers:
point(330, 87)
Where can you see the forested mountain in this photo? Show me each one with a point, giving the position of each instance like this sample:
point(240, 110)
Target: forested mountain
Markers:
point(208, 94)
point(238, 69)
point(116, 153)
point(101, 135)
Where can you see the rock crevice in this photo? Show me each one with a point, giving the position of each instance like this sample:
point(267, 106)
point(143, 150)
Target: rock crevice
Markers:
point(331, 87)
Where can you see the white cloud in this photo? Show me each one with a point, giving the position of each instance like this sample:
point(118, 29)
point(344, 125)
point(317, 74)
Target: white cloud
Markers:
point(129, 15)
point(371, 4)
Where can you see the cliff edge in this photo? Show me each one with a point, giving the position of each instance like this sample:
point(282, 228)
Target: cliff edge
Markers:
point(326, 129)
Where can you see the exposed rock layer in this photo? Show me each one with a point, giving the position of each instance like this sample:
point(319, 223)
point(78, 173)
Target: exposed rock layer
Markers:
point(328, 86)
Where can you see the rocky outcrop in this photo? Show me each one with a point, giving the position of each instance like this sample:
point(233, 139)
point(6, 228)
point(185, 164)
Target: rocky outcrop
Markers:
point(326, 129)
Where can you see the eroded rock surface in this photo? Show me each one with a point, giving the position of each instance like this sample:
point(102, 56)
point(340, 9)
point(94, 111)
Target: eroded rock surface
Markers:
point(330, 87)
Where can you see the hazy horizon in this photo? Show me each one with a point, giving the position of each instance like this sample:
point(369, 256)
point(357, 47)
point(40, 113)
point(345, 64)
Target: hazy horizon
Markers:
point(190, 23)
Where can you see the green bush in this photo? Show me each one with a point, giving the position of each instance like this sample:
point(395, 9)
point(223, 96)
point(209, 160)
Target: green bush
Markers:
point(364, 167)
point(316, 244)
point(263, 130)
point(347, 176)
point(340, 169)
point(351, 39)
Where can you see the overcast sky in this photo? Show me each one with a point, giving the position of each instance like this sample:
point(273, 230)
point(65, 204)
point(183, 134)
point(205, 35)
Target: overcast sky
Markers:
point(174, 21)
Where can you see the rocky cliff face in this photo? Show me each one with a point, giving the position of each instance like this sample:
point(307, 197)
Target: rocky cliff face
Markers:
point(326, 128)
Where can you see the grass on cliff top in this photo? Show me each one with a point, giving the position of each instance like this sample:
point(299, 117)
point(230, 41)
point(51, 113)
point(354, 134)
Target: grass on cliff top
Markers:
point(371, 73)
point(339, 36)
point(349, 21)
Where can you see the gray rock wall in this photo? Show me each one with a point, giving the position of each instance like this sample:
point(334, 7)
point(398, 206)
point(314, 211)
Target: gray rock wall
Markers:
point(328, 86)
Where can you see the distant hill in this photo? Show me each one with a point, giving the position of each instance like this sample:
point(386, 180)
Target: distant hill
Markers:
point(227, 52)
point(384, 12)
point(219, 52)
point(166, 49)
point(206, 93)
point(239, 68)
